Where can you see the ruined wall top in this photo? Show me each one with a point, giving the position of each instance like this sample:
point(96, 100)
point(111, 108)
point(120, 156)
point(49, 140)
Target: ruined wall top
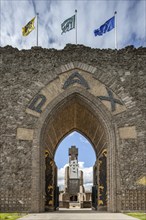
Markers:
point(79, 47)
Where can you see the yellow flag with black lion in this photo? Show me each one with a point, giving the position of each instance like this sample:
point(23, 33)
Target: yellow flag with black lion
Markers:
point(28, 27)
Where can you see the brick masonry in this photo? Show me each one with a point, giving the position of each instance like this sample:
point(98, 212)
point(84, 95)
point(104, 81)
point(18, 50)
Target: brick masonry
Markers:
point(27, 73)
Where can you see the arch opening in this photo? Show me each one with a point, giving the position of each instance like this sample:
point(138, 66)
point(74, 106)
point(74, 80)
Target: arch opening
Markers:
point(85, 160)
point(83, 144)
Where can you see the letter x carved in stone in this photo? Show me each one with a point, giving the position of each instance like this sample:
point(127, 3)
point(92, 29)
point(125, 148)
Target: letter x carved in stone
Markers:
point(111, 99)
point(37, 103)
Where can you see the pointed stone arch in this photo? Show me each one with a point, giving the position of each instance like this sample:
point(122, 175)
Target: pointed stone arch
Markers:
point(94, 110)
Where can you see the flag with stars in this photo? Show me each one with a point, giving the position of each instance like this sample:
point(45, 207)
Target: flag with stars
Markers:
point(107, 26)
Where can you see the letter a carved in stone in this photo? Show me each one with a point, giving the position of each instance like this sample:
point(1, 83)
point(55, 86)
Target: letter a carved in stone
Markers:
point(76, 78)
point(37, 103)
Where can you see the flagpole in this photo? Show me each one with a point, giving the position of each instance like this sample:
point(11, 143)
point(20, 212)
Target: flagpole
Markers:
point(37, 14)
point(115, 30)
point(76, 24)
point(145, 23)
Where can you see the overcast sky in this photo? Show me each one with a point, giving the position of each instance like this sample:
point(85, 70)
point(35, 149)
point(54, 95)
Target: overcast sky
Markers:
point(131, 22)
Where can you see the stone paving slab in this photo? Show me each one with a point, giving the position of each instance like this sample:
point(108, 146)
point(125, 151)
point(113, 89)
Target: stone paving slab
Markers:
point(77, 216)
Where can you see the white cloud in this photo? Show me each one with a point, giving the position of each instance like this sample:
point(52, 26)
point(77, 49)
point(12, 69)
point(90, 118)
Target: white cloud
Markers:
point(61, 175)
point(84, 140)
point(91, 14)
point(88, 176)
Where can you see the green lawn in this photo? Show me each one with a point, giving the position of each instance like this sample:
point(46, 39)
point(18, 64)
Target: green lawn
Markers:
point(141, 216)
point(10, 216)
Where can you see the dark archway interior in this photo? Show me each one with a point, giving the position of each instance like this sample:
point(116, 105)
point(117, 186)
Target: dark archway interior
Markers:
point(73, 198)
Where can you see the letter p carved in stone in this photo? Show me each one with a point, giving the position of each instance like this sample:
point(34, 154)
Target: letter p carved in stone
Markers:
point(37, 103)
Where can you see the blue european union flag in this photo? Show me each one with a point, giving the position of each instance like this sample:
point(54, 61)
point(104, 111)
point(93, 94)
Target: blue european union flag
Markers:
point(107, 26)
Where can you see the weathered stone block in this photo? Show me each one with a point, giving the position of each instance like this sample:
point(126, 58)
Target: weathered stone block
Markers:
point(128, 132)
point(24, 134)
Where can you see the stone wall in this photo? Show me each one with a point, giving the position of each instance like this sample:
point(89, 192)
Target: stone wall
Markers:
point(24, 73)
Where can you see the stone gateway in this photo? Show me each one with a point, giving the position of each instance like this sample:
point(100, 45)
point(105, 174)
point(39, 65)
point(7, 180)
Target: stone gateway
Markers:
point(48, 93)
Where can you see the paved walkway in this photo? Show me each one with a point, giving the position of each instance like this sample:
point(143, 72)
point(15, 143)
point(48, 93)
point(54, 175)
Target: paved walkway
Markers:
point(77, 215)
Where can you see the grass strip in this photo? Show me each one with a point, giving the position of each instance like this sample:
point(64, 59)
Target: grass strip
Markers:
point(10, 216)
point(138, 215)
